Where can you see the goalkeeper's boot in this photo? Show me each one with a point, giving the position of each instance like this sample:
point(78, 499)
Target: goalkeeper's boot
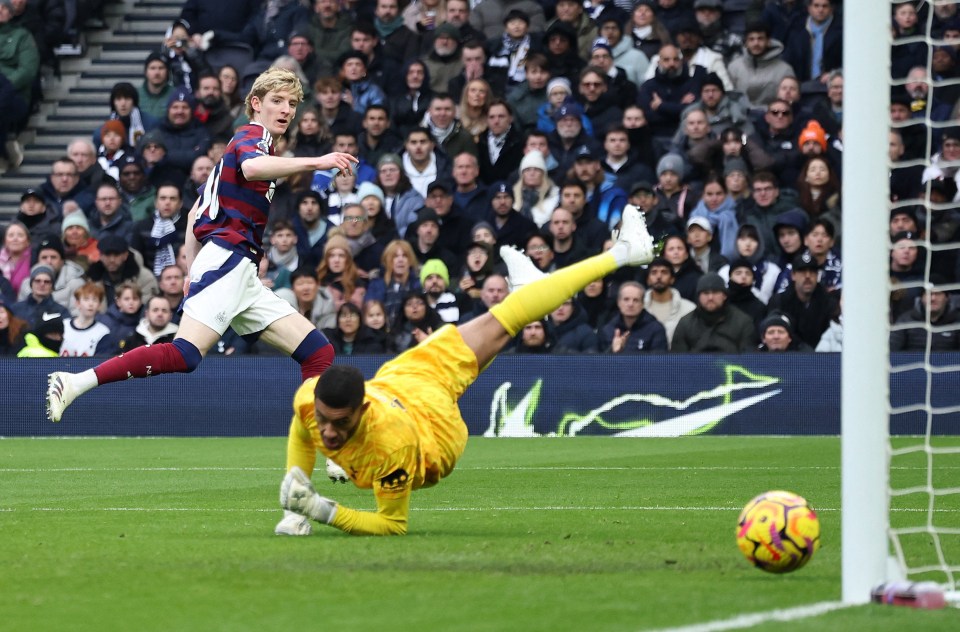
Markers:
point(520, 269)
point(633, 233)
point(60, 393)
point(336, 473)
point(293, 524)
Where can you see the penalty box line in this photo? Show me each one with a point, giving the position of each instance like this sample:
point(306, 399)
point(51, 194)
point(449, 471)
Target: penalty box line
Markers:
point(749, 620)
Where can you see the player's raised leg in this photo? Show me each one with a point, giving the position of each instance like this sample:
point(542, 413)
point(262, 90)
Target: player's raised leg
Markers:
point(535, 297)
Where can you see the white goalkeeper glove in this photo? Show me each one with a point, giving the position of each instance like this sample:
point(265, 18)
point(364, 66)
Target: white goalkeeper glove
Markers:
point(336, 473)
point(298, 495)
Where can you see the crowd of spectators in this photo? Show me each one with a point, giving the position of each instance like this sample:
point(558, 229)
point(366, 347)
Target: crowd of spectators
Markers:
point(525, 123)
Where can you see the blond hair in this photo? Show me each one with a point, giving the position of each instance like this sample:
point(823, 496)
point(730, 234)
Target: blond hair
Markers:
point(274, 80)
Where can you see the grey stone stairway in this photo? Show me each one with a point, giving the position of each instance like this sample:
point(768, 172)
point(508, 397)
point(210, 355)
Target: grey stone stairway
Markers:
point(77, 103)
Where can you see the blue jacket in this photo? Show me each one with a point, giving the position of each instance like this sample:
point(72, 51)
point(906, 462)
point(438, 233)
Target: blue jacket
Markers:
point(646, 334)
point(608, 203)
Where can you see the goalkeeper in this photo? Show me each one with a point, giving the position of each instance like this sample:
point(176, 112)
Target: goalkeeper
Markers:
point(402, 430)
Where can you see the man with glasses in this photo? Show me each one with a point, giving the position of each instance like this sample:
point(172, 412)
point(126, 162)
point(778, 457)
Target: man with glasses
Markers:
point(599, 106)
point(64, 184)
point(762, 209)
point(779, 134)
point(355, 226)
point(39, 307)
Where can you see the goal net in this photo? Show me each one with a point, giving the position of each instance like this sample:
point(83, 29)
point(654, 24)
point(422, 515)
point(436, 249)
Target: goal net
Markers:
point(901, 387)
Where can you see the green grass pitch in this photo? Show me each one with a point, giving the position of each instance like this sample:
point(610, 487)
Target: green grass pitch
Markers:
point(527, 534)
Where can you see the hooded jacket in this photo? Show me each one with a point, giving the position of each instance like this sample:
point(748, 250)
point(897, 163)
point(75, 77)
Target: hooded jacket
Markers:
point(759, 77)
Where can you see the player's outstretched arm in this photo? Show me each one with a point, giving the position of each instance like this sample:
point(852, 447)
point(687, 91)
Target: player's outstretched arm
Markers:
point(273, 167)
point(192, 246)
point(298, 495)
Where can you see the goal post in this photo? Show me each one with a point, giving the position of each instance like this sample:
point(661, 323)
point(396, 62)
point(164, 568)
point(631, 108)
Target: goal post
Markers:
point(865, 358)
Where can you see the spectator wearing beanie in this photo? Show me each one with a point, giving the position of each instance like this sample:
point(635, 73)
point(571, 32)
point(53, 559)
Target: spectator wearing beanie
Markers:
point(155, 90)
point(78, 243)
point(776, 334)
point(714, 326)
point(39, 307)
point(740, 290)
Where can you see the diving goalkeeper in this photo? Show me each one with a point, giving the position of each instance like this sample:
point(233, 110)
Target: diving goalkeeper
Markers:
point(402, 430)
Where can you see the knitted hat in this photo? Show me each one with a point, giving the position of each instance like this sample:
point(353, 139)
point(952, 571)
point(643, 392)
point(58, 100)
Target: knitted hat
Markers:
point(742, 262)
point(778, 319)
point(112, 245)
point(41, 268)
point(735, 164)
point(533, 160)
point(711, 282)
point(600, 42)
point(478, 226)
point(366, 189)
point(182, 95)
point(448, 30)
point(517, 14)
point(51, 243)
point(434, 266)
point(427, 214)
point(74, 219)
point(813, 131)
point(153, 137)
point(559, 82)
point(390, 159)
point(501, 187)
point(352, 54)
point(713, 79)
point(671, 162)
point(115, 126)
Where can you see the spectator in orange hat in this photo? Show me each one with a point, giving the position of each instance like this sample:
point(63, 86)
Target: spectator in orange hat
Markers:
point(812, 140)
point(113, 147)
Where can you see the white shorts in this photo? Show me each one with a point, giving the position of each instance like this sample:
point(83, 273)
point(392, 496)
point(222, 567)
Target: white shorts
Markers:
point(225, 291)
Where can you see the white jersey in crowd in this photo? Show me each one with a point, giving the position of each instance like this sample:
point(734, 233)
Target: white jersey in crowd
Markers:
point(81, 343)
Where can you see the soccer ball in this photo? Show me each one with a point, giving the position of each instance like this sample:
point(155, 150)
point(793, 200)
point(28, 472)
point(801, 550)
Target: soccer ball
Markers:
point(778, 532)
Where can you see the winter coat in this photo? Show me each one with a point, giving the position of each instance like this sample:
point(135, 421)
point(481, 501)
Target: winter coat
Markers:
point(646, 334)
point(759, 77)
point(184, 143)
point(631, 59)
point(726, 331)
point(664, 120)
point(574, 335)
point(812, 318)
point(131, 271)
point(19, 59)
point(678, 308)
point(915, 338)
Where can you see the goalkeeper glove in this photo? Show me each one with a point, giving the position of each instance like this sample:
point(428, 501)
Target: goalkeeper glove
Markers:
point(298, 495)
point(336, 473)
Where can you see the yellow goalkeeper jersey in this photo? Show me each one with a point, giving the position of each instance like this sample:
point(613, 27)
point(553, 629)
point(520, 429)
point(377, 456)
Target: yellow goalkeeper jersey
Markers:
point(410, 436)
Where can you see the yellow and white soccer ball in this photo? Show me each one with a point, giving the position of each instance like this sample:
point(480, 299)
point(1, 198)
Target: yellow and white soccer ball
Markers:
point(778, 532)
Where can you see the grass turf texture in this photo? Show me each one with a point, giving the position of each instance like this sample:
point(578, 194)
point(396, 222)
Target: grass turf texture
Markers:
point(529, 534)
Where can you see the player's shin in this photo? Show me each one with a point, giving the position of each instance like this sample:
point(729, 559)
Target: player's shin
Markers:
point(178, 356)
point(536, 300)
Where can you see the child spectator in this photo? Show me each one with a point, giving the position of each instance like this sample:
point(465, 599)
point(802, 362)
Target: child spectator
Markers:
point(83, 333)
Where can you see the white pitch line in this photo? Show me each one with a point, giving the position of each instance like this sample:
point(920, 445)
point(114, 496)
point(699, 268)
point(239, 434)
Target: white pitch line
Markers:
point(458, 509)
point(749, 620)
point(558, 468)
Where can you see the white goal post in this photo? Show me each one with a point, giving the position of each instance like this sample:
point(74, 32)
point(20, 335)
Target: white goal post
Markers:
point(865, 359)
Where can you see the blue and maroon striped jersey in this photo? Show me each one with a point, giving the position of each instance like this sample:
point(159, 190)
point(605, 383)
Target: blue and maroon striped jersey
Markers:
point(233, 210)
